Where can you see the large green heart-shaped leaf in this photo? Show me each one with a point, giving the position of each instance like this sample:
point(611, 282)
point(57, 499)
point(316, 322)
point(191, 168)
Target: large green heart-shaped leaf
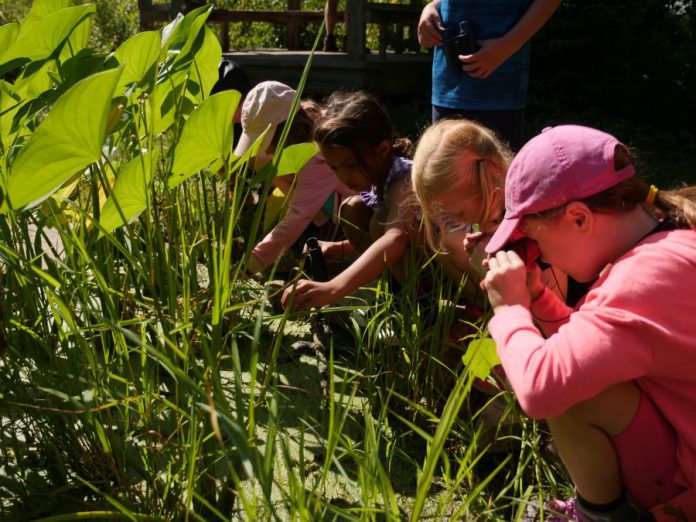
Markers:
point(184, 29)
point(8, 34)
point(137, 55)
point(68, 140)
point(10, 102)
point(206, 136)
point(204, 70)
point(292, 160)
point(129, 194)
point(40, 9)
point(45, 36)
point(481, 357)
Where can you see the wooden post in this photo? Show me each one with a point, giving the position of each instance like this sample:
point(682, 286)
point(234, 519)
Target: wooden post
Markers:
point(225, 36)
point(293, 25)
point(355, 41)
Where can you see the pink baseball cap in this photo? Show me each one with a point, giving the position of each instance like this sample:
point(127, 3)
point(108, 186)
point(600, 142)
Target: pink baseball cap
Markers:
point(562, 164)
point(267, 103)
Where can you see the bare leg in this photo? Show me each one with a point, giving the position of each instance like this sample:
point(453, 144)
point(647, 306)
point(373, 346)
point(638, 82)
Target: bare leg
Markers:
point(582, 437)
point(330, 15)
point(355, 219)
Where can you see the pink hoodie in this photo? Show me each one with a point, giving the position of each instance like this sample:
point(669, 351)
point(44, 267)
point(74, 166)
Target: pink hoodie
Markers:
point(315, 183)
point(638, 322)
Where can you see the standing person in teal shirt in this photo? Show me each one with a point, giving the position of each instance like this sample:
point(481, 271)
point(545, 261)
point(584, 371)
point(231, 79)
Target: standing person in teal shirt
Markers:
point(490, 86)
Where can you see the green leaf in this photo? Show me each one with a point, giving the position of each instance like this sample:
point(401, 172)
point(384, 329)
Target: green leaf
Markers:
point(137, 55)
point(197, 17)
point(44, 37)
point(292, 160)
point(68, 140)
point(206, 136)
point(40, 9)
point(177, 34)
point(8, 34)
point(9, 105)
point(129, 194)
point(481, 357)
point(78, 39)
point(204, 70)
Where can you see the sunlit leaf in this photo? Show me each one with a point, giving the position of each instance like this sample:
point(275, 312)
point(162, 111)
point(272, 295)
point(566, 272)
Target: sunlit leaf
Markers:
point(8, 34)
point(78, 40)
point(68, 140)
point(40, 9)
point(292, 159)
point(184, 28)
point(45, 36)
point(206, 136)
point(198, 18)
point(9, 104)
point(34, 81)
point(206, 60)
point(481, 357)
point(137, 55)
point(128, 194)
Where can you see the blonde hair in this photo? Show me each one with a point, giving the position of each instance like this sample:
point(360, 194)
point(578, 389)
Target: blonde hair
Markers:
point(449, 150)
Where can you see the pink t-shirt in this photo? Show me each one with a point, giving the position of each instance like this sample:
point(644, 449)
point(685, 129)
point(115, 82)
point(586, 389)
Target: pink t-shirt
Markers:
point(638, 322)
point(315, 183)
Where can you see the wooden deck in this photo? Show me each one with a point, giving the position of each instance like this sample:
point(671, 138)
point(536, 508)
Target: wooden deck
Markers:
point(390, 75)
point(397, 67)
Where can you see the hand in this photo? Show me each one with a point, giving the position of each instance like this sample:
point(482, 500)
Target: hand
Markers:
point(487, 59)
point(534, 284)
point(475, 243)
point(506, 281)
point(308, 294)
point(430, 27)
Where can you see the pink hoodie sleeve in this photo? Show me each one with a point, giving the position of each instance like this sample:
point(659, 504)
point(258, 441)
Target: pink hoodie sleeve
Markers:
point(598, 346)
point(549, 312)
point(315, 182)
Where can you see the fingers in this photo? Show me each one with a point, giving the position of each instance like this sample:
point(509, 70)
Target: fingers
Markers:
point(301, 295)
point(429, 35)
point(430, 27)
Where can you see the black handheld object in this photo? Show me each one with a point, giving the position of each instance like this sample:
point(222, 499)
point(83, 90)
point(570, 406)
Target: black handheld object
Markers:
point(317, 265)
point(463, 43)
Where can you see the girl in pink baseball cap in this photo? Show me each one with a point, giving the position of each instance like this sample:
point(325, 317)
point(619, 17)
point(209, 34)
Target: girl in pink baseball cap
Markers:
point(615, 377)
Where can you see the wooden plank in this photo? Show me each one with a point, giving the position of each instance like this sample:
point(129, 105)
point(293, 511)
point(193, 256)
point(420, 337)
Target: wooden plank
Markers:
point(334, 71)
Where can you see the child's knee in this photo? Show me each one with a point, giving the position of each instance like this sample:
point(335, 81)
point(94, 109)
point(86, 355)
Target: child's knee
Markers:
point(611, 410)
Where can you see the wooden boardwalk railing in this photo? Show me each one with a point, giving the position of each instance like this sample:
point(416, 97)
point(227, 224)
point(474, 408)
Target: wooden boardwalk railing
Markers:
point(390, 18)
point(399, 68)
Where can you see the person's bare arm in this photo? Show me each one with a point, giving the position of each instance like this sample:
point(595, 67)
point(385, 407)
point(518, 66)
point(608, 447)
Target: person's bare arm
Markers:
point(495, 51)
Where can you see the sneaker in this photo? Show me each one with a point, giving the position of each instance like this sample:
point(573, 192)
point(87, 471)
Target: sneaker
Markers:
point(563, 510)
point(330, 44)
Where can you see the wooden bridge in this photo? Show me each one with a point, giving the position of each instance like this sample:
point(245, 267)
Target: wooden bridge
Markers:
point(397, 67)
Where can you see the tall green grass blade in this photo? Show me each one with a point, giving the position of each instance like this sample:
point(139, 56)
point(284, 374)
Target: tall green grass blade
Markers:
point(435, 449)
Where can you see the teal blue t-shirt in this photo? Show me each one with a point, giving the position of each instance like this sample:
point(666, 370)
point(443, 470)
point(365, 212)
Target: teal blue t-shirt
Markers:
point(506, 87)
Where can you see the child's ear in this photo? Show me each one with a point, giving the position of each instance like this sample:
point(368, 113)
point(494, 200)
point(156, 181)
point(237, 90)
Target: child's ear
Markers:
point(384, 148)
point(579, 215)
